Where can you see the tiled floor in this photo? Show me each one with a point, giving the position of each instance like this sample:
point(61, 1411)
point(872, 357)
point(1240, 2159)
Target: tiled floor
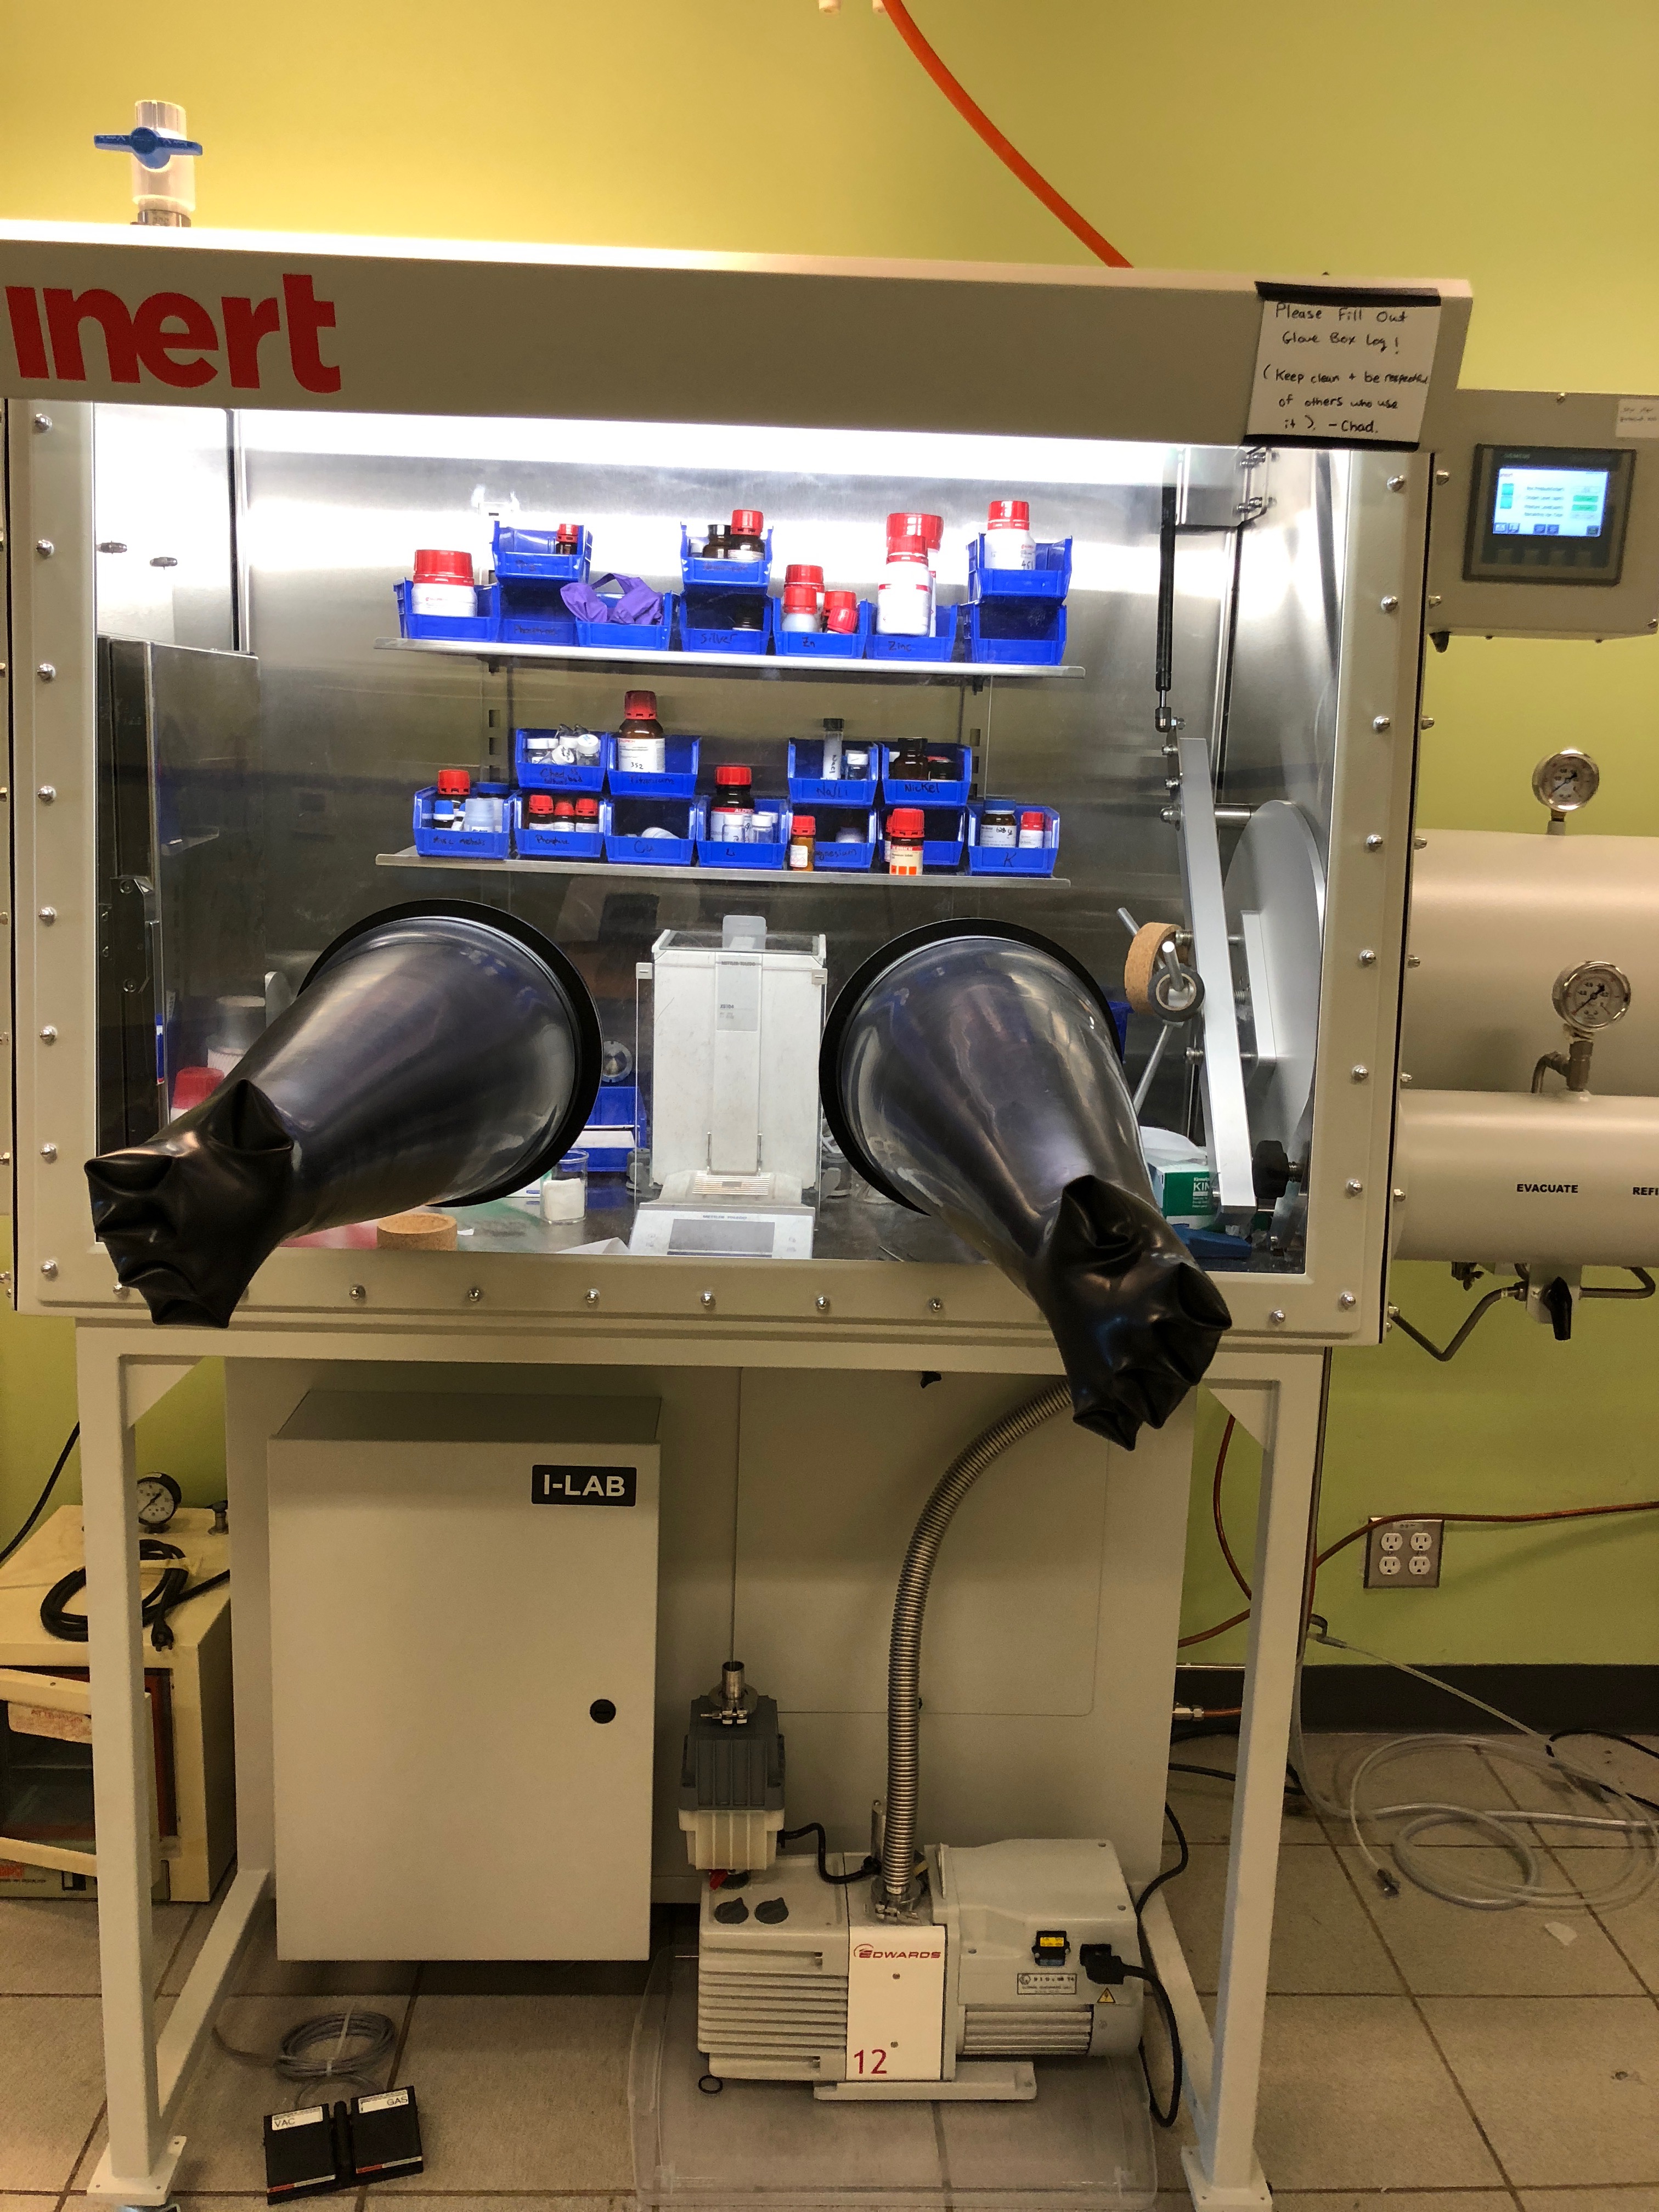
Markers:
point(1419, 2057)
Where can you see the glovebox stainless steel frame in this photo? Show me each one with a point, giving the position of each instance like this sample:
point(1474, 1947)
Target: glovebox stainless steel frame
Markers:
point(1138, 355)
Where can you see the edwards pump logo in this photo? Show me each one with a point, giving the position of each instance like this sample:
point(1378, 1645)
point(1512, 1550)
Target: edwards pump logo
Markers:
point(871, 1951)
point(176, 339)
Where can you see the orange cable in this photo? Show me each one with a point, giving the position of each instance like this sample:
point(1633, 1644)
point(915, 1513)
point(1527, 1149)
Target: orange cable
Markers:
point(975, 118)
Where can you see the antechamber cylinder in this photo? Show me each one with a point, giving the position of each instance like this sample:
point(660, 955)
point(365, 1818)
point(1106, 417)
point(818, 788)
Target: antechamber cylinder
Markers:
point(1507, 1177)
point(1495, 916)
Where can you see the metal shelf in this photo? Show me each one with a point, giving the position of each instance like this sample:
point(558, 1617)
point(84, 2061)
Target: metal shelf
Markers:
point(759, 878)
point(779, 669)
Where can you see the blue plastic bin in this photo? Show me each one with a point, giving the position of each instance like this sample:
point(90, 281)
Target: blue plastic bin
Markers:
point(1018, 633)
point(628, 817)
point(454, 629)
point(529, 553)
point(534, 614)
point(829, 858)
point(1012, 860)
point(1051, 578)
point(941, 645)
point(434, 844)
point(546, 775)
point(820, 644)
point(725, 575)
point(943, 831)
point(828, 791)
point(612, 1132)
point(705, 617)
point(677, 780)
point(533, 842)
point(631, 637)
point(715, 852)
point(908, 791)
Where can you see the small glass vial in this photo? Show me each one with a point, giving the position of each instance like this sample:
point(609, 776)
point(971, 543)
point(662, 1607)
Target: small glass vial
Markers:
point(802, 841)
point(1008, 540)
point(800, 607)
point(904, 597)
point(855, 766)
point(997, 827)
point(904, 836)
point(717, 545)
point(569, 544)
point(642, 749)
point(564, 1189)
point(829, 762)
point(1033, 831)
point(732, 817)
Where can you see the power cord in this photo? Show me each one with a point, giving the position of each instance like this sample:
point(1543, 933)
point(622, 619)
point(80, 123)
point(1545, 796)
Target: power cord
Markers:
point(373, 2037)
point(39, 1502)
point(1503, 1826)
point(860, 1872)
point(1164, 2115)
point(171, 1589)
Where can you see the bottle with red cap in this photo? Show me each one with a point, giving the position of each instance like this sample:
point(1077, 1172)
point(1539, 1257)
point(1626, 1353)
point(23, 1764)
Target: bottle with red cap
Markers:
point(905, 829)
point(641, 748)
point(587, 817)
point(904, 597)
point(746, 543)
point(1008, 540)
point(802, 841)
point(538, 809)
point(732, 817)
point(804, 572)
point(841, 612)
point(443, 583)
point(449, 804)
point(1033, 830)
point(801, 607)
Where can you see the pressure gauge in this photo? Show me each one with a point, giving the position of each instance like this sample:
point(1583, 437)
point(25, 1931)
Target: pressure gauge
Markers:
point(1566, 780)
point(1591, 996)
point(159, 1499)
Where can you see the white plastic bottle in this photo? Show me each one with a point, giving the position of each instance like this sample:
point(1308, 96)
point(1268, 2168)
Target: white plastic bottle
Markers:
point(904, 597)
point(1008, 540)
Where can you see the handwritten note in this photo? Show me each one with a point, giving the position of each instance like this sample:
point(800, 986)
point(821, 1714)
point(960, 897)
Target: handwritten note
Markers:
point(1341, 367)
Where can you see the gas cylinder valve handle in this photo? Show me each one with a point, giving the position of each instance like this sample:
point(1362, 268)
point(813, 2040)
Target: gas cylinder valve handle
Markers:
point(155, 148)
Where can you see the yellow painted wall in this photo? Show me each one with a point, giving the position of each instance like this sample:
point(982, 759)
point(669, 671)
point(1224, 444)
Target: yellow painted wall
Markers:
point(1507, 141)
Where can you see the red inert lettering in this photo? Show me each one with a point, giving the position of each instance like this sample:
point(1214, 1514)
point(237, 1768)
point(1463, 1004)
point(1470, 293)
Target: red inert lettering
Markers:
point(25, 312)
point(158, 343)
point(245, 326)
point(307, 315)
point(65, 313)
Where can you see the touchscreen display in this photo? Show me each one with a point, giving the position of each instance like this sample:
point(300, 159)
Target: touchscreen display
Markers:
point(1549, 502)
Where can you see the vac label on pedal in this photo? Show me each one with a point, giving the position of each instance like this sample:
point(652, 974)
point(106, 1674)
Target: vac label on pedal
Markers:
point(584, 1485)
point(1047, 1982)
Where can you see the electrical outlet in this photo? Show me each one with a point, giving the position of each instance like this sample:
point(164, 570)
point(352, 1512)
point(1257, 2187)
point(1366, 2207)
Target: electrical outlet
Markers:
point(1404, 1555)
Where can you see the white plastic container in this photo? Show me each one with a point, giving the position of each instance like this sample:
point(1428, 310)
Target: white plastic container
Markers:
point(564, 1189)
point(904, 597)
point(1008, 540)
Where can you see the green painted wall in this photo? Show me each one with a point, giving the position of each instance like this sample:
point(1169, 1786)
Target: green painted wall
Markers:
point(1507, 141)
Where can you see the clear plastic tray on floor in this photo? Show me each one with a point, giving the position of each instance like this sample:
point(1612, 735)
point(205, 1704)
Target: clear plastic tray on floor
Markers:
point(1084, 2145)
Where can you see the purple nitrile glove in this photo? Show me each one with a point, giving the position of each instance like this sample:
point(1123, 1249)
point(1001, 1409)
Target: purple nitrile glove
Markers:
point(638, 603)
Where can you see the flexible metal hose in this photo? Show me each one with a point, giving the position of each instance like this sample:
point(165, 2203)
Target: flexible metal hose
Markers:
point(909, 1607)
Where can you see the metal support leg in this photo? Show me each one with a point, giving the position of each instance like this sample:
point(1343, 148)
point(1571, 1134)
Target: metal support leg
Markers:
point(137, 2167)
point(1222, 2169)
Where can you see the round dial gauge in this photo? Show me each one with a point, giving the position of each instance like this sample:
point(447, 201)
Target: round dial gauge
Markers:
point(1593, 995)
point(1566, 780)
point(159, 1499)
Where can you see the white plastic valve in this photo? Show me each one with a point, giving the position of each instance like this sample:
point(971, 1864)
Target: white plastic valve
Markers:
point(167, 195)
